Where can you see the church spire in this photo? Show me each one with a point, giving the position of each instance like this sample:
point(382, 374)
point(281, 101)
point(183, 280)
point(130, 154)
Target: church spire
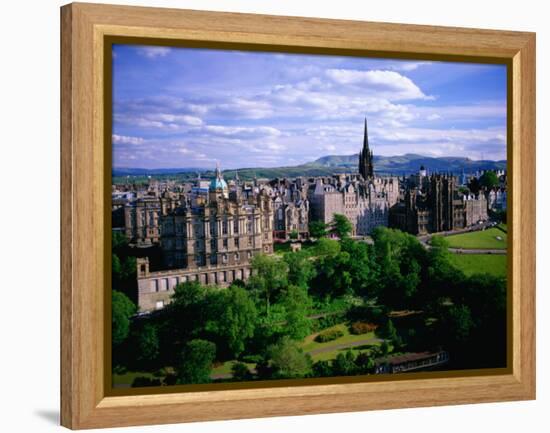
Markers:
point(365, 156)
point(365, 139)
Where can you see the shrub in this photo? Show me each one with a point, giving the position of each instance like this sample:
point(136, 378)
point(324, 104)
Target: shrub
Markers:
point(362, 327)
point(326, 322)
point(252, 359)
point(240, 371)
point(329, 335)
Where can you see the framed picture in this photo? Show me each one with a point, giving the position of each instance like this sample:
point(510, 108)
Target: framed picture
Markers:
point(266, 215)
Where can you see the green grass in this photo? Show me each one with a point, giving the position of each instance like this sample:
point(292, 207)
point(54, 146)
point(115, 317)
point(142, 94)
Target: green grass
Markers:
point(494, 264)
point(309, 344)
point(492, 238)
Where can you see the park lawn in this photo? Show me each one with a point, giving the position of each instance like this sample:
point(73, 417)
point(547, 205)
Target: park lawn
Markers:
point(482, 239)
point(310, 344)
point(494, 264)
point(503, 227)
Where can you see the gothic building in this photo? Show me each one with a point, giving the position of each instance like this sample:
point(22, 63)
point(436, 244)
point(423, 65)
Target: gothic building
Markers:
point(363, 198)
point(434, 204)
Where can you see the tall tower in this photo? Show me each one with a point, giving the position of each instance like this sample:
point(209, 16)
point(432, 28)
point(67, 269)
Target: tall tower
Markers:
point(365, 157)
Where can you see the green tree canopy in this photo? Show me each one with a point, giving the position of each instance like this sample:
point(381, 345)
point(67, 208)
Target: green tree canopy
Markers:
point(122, 309)
point(148, 344)
point(287, 360)
point(400, 258)
point(344, 364)
point(341, 226)
point(297, 303)
point(326, 247)
point(118, 240)
point(489, 179)
point(238, 318)
point(300, 268)
point(317, 229)
point(270, 277)
point(196, 362)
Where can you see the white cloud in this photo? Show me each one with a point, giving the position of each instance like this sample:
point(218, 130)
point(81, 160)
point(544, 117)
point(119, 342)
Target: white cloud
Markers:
point(153, 52)
point(242, 132)
point(433, 116)
point(124, 139)
point(408, 66)
point(389, 84)
point(177, 118)
point(162, 121)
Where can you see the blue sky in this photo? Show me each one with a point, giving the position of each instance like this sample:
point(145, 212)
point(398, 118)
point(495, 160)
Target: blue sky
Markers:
point(181, 107)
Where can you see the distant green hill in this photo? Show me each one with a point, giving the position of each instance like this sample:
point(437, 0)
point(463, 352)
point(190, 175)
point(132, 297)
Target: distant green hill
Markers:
point(410, 163)
point(325, 166)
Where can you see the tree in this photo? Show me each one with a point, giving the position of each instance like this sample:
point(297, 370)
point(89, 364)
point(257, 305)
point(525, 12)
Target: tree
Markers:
point(351, 271)
point(388, 331)
point(326, 247)
point(384, 348)
point(489, 180)
point(317, 229)
point(196, 362)
point(341, 226)
point(233, 318)
point(300, 268)
point(344, 364)
point(287, 360)
point(474, 185)
point(116, 268)
point(148, 344)
point(293, 235)
point(122, 309)
point(270, 276)
point(240, 371)
point(297, 303)
point(129, 269)
point(441, 277)
point(118, 240)
point(186, 313)
point(361, 267)
point(459, 322)
point(400, 258)
point(322, 369)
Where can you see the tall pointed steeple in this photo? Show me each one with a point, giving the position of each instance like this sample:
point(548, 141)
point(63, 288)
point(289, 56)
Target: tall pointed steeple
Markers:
point(365, 156)
point(366, 138)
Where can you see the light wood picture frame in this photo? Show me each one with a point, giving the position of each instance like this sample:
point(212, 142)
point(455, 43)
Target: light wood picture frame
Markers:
point(86, 33)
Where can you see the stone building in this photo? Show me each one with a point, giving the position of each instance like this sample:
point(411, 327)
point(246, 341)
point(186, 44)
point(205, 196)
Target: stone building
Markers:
point(497, 198)
point(434, 204)
point(210, 239)
point(365, 199)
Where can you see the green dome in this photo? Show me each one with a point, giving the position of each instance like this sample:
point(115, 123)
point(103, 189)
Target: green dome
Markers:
point(218, 183)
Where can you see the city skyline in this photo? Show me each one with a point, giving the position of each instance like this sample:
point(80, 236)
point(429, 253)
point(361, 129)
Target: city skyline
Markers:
point(179, 107)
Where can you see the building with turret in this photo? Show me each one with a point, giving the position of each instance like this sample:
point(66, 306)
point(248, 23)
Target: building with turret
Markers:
point(434, 204)
point(207, 238)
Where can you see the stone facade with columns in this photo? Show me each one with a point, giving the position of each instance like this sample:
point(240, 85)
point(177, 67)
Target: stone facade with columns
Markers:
point(210, 239)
